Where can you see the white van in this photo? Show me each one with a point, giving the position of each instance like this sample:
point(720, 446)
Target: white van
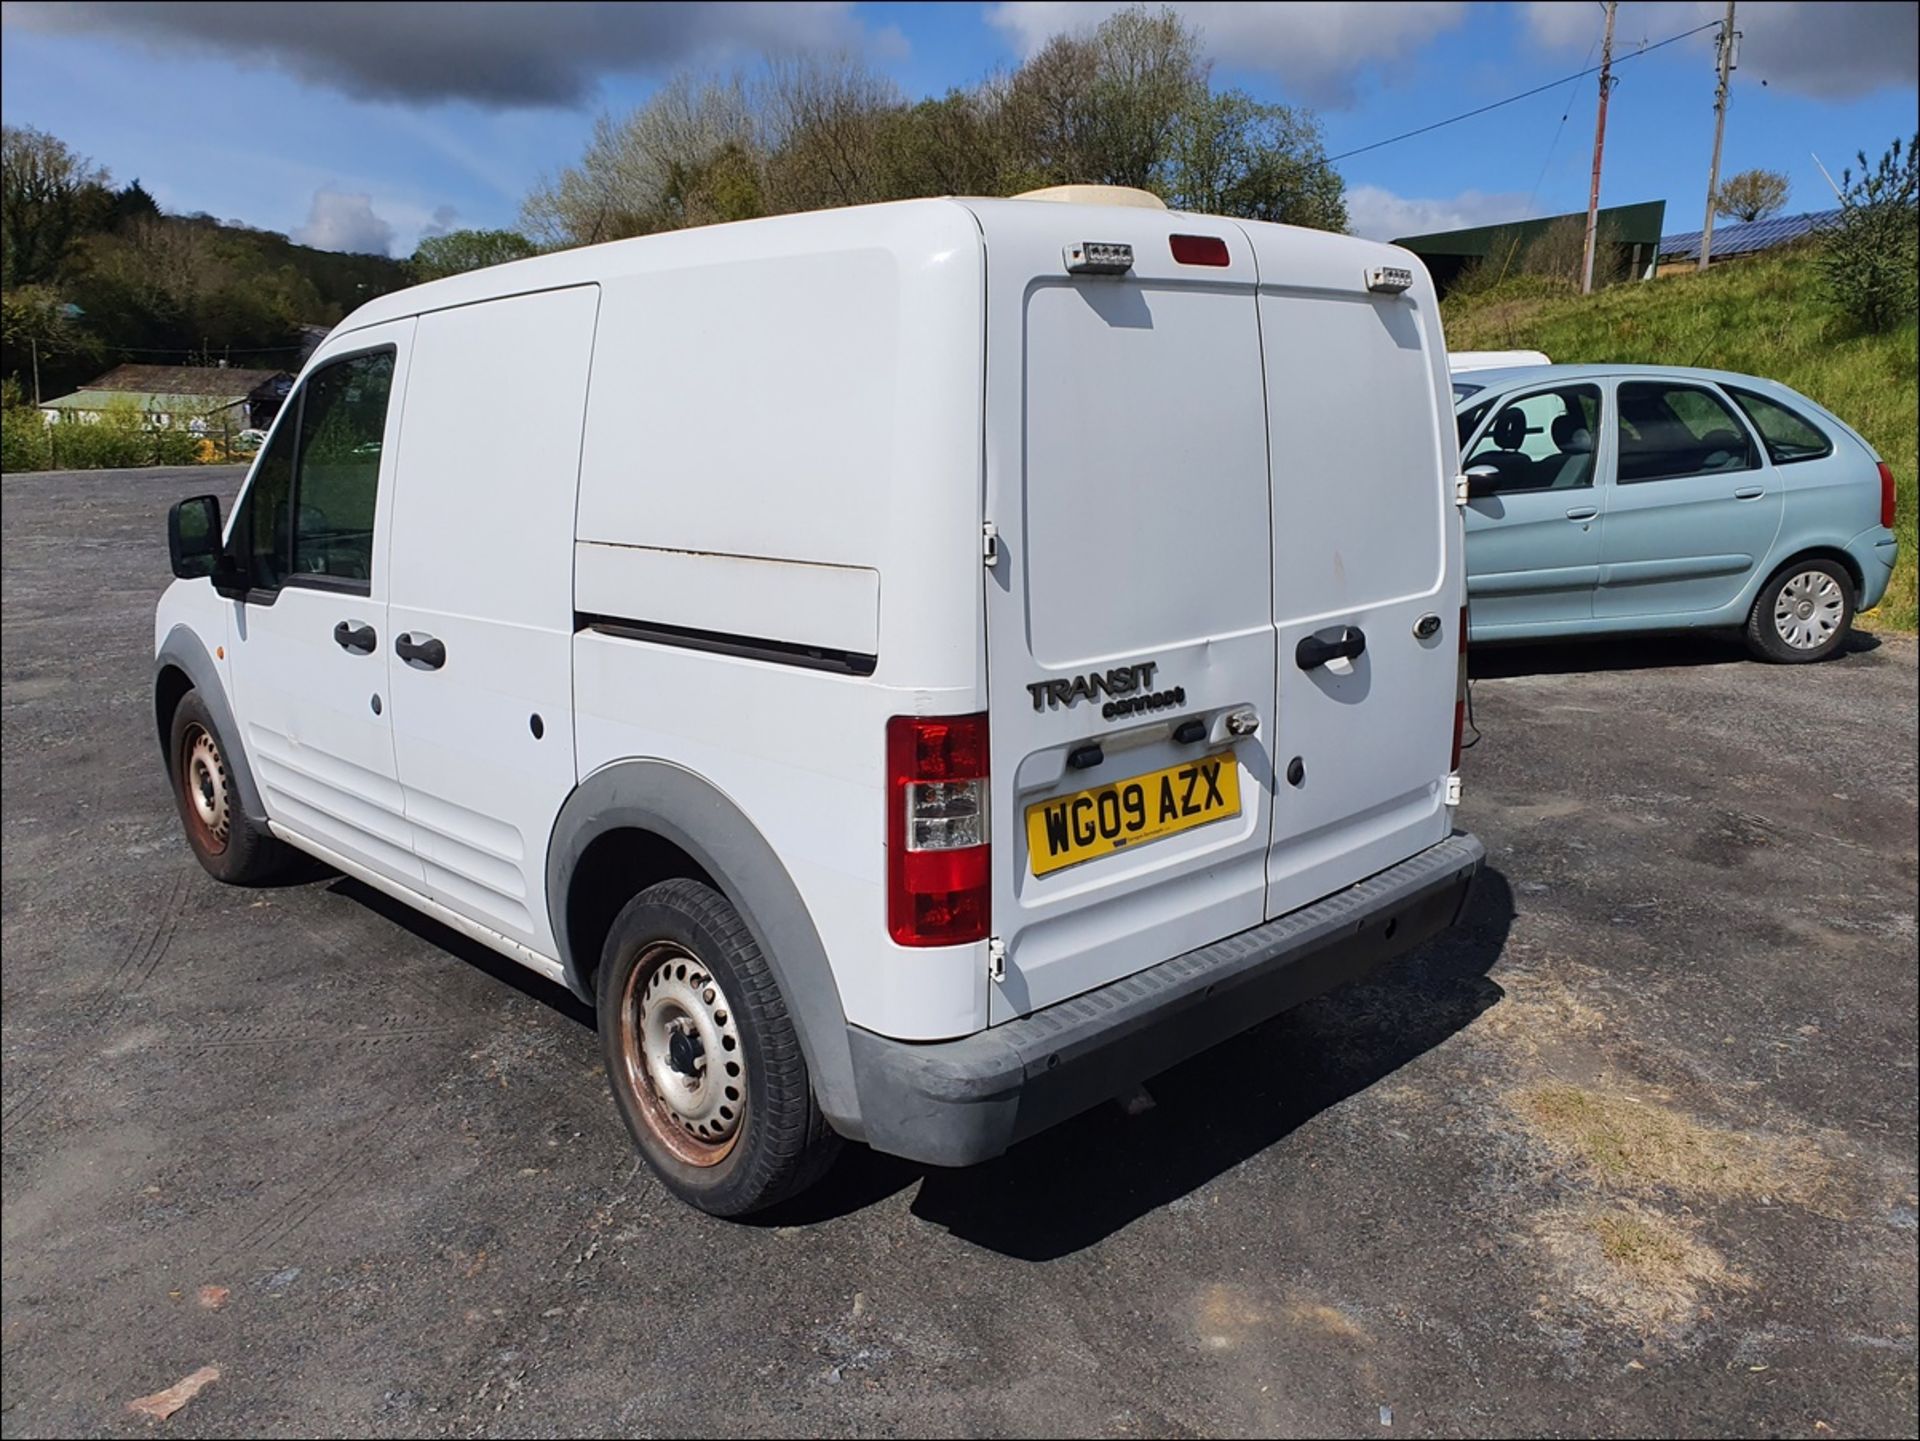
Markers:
point(919, 669)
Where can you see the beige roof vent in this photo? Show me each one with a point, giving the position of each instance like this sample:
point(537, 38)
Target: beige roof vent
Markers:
point(1096, 195)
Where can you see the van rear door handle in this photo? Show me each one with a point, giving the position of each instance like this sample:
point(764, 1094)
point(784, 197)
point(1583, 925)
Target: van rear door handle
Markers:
point(1316, 650)
point(1750, 492)
point(1583, 512)
point(356, 636)
point(420, 650)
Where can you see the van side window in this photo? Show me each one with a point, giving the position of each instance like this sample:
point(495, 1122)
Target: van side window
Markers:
point(1542, 441)
point(308, 515)
point(1669, 431)
point(1789, 436)
point(343, 418)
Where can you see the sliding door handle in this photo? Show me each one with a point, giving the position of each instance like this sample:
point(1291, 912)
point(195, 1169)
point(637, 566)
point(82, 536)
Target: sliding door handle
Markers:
point(420, 650)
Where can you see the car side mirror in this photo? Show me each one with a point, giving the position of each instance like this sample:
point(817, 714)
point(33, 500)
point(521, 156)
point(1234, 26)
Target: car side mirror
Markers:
point(193, 537)
point(1481, 480)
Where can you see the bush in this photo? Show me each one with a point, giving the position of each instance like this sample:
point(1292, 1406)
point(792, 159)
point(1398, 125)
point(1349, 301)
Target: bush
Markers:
point(1868, 259)
point(120, 438)
point(23, 439)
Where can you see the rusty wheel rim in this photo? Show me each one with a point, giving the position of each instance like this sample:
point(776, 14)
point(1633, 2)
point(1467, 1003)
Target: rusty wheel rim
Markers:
point(204, 785)
point(681, 1054)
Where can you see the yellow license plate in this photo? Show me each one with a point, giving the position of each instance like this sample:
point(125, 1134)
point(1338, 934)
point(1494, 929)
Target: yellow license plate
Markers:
point(1067, 830)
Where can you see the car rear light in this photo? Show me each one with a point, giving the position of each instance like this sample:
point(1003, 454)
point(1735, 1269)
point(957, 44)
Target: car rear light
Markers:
point(937, 844)
point(1460, 694)
point(1200, 250)
point(1886, 495)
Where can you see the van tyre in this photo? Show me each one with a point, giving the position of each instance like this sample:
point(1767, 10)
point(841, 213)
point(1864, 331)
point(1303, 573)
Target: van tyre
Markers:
point(705, 1065)
point(1802, 614)
point(230, 846)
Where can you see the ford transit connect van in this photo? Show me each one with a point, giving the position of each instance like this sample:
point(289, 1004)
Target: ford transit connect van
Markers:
point(919, 670)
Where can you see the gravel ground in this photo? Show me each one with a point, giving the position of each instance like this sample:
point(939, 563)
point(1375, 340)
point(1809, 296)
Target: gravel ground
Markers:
point(1632, 1153)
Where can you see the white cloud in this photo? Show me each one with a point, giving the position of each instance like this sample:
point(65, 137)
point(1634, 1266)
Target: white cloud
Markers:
point(1813, 47)
point(1318, 50)
point(339, 221)
point(508, 53)
point(440, 223)
point(1379, 214)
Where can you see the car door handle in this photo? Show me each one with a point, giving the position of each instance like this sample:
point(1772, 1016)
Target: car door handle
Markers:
point(1316, 650)
point(1583, 512)
point(421, 651)
point(1750, 492)
point(356, 636)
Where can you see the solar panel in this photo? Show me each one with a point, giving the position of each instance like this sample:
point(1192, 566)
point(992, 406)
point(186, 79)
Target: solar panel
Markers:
point(1745, 239)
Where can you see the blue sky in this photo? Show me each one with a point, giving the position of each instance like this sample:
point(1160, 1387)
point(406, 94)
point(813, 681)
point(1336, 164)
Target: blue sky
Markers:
point(363, 126)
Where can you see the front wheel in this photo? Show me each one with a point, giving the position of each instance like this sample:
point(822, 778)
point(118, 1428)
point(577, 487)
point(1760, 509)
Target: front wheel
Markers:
point(226, 843)
point(702, 1055)
point(1802, 614)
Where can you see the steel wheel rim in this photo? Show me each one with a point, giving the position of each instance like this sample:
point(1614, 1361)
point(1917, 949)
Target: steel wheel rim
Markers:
point(1807, 610)
point(681, 1051)
point(203, 781)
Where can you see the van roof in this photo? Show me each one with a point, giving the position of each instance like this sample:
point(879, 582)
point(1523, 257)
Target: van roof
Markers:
point(863, 226)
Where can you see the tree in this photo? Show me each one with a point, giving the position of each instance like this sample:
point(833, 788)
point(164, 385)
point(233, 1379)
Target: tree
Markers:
point(48, 195)
point(1868, 256)
point(1751, 195)
point(461, 250)
point(1232, 155)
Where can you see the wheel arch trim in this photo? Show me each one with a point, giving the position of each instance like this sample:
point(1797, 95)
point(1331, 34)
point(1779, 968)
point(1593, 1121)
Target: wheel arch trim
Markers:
point(683, 808)
point(184, 651)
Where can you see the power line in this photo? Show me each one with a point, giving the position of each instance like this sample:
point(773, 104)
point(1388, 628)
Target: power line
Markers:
point(1514, 99)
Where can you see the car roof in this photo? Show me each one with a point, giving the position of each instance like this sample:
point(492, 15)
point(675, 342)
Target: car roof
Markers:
point(1511, 376)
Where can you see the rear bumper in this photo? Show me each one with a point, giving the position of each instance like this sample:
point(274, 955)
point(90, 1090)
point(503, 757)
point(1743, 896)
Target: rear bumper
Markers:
point(1874, 553)
point(954, 1103)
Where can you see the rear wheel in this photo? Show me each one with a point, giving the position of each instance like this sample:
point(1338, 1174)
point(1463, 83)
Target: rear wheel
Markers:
point(229, 845)
point(702, 1055)
point(1802, 614)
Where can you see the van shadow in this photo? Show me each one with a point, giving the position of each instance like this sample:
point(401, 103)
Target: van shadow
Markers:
point(1511, 660)
point(1075, 1185)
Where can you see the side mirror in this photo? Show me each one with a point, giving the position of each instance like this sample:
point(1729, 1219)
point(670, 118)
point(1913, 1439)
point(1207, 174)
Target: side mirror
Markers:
point(1482, 480)
point(193, 536)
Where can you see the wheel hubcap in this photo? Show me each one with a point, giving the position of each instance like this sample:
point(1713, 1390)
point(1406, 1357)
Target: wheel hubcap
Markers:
point(204, 779)
point(1807, 610)
point(685, 1065)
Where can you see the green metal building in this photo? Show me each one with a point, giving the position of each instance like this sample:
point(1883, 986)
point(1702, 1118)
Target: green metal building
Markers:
point(1626, 247)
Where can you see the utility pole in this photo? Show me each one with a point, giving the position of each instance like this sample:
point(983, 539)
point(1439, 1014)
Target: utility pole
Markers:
point(1727, 34)
point(33, 345)
point(1599, 144)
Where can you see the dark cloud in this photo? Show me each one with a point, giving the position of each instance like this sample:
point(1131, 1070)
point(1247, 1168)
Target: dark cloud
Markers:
point(1822, 48)
point(491, 54)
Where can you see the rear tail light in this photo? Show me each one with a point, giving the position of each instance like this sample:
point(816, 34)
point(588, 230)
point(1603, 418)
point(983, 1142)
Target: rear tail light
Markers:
point(937, 843)
point(1460, 694)
point(1886, 495)
point(1200, 250)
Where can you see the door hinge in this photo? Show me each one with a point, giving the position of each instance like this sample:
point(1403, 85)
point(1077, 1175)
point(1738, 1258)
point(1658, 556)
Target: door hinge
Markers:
point(1453, 789)
point(1460, 490)
point(989, 544)
point(996, 959)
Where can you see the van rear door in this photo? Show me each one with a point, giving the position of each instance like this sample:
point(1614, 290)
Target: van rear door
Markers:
point(1366, 558)
point(1129, 613)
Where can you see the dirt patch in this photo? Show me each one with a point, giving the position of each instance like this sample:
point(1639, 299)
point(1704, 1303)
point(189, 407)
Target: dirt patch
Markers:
point(1632, 1264)
point(1631, 1142)
point(1329, 1321)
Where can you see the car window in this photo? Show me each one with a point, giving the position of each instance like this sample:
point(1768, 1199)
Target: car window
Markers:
point(1543, 441)
point(1462, 389)
point(1470, 419)
point(1668, 431)
point(265, 539)
point(1789, 436)
point(343, 419)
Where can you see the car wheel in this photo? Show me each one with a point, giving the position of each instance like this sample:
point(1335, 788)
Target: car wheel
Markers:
point(229, 845)
point(702, 1055)
point(1802, 614)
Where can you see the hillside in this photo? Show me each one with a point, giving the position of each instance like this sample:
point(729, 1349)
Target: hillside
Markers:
point(1764, 317)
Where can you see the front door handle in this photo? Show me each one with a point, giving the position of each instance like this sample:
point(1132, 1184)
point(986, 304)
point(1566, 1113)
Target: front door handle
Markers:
point(356, 636)
point(1349, 642)
point(420, 650)
point(1750, 492)
point(1583, 512)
